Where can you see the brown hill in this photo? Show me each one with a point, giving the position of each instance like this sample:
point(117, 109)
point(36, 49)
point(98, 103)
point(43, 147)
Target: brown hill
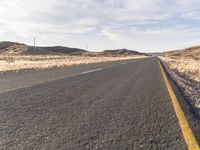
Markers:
point(13, 48)
point(64, 50)
point(118, 52)
point(122, 52)
point(192, 52)
point(6, 44)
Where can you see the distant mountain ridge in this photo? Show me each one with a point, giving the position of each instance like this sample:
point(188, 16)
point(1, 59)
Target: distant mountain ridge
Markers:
point(155, 53)
point(14, 48)
point(122, 52)
point(191, 52)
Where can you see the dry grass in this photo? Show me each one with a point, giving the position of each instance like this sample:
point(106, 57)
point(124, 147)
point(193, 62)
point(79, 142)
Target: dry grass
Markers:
point(15, 63)
point(187, 67)
point(187, 53)
point(186, 74)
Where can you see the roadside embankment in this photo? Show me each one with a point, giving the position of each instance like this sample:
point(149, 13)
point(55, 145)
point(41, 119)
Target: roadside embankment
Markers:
point(186, 74)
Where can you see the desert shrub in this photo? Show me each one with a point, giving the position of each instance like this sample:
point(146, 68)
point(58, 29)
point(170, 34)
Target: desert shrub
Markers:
point(10, 59)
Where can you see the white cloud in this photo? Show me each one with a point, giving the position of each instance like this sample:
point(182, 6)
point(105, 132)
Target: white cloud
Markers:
point(144, 24)
point(110, 34)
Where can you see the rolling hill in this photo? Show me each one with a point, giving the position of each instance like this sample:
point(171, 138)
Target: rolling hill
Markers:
point(192, 52)
point(122, 52)
point(14, 48)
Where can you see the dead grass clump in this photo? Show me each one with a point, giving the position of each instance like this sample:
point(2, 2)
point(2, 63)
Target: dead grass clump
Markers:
point(10, 59)
point(187, 67)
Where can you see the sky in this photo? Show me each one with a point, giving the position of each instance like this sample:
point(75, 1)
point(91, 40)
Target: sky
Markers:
point(143, 25)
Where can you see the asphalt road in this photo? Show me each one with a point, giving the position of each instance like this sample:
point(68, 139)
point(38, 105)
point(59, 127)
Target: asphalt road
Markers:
point(15, 80)
point(109, 106)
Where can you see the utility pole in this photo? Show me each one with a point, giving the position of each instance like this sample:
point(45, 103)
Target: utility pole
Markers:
point(87, 47)
point(34, 47)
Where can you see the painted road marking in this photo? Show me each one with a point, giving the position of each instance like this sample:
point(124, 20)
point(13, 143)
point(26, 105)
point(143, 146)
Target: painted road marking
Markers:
point(124, 63)
point(38, 83)
point(85, 72)
point(188, 135)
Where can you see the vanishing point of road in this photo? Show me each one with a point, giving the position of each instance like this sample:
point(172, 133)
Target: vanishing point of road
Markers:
point(122, 105)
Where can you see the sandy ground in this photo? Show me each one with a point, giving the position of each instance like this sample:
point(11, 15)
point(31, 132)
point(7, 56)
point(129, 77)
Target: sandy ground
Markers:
point(15, 63)
point(186, 73)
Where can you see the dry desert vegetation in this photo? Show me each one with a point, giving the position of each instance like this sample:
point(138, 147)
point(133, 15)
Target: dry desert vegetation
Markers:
point(16, 63)
point(18, 56)
point(186, 74)
point(186, 67)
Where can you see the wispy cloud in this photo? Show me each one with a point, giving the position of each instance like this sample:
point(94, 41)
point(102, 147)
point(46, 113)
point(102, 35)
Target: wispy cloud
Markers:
point(106, 24)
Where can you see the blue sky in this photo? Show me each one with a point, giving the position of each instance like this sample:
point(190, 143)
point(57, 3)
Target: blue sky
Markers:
point(144, 25)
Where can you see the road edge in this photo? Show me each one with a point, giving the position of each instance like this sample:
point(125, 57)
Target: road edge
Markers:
point(188, 135)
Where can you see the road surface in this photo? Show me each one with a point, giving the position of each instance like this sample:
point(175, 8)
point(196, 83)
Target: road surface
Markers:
point(111, 106)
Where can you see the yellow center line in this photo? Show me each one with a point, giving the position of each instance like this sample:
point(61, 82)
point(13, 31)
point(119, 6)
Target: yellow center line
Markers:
point(188, 135)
